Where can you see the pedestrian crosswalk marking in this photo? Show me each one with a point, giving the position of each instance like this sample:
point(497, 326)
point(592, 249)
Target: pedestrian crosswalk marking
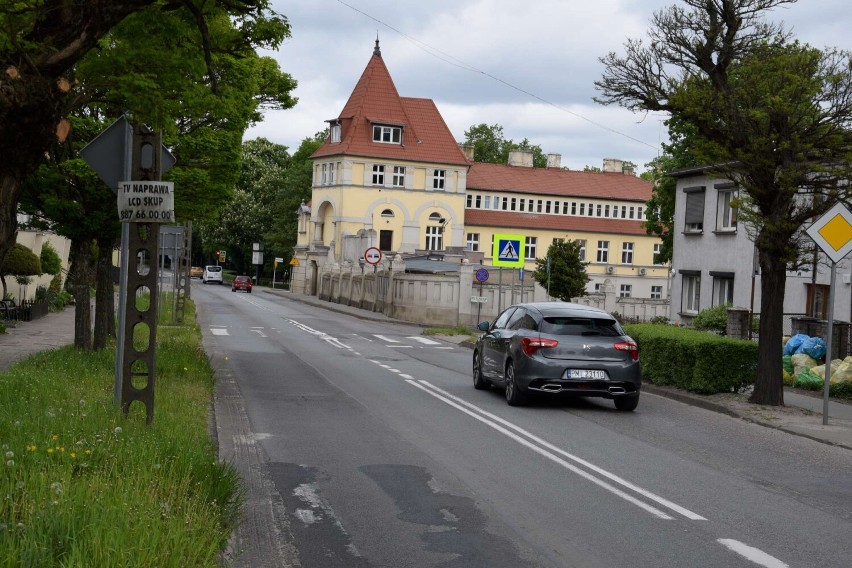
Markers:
point(388, 339)
point(509, 252)
point(423, 340)
point(219, 331)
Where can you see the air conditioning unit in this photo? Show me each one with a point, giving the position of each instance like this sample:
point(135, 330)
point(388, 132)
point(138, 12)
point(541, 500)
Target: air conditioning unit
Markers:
point(610, 269)
point(642, 271)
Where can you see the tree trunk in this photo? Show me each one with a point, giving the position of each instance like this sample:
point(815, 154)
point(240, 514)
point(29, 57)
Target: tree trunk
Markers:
point(104, 294)
point(81, 281)
point(10, 193)
point(769, 385)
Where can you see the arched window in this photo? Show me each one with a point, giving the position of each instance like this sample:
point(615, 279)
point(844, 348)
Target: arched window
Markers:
point(387, 213)
point(435, 217)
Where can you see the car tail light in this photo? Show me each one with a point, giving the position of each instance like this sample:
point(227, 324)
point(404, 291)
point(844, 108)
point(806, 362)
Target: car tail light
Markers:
point(530, 345)
point(630, 347)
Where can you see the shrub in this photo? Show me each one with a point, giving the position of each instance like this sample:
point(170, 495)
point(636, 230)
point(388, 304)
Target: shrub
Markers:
point(50, 261)
point(713, 319)
point(659, 320)
point(21, 261)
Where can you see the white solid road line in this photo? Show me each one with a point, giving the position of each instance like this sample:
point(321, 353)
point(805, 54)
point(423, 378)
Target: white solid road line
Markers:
point(751, 553)
point(552, 457)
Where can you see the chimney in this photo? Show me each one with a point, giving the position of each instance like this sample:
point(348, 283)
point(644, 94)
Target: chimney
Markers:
point(612, 165)
point(523, 158)
point(554, 161)
point(628, 171)
point(468, 151)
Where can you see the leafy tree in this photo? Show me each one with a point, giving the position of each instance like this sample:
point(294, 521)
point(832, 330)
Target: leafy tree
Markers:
point(41, 42)
point(677, 154)
point(490, 145)
point(51, 263)
point(19, 261)
point(294, 188)
point(769, 113)
point(567, 278)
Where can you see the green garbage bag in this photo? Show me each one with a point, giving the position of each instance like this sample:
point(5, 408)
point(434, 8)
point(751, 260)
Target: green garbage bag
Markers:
point(807, 380)
point(787, 363)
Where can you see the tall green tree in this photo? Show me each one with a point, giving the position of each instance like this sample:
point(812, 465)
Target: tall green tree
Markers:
point(491, 146)
point(770, 114)
point(41, 43)
point(567, 277)
point(294, 189)
point(677, 154)
point(207, 87)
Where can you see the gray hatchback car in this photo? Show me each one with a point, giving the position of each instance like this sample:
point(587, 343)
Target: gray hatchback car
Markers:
point(558, 348)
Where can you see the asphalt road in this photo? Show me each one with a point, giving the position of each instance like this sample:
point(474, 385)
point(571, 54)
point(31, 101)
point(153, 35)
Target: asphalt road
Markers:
point(375, 451)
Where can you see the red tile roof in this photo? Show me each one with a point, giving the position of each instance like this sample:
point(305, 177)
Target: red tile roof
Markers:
point(515, 220)
point(557, 182)
point(375, 99)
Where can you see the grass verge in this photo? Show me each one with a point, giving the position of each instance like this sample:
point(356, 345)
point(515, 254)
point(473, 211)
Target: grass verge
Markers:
point(81, 484)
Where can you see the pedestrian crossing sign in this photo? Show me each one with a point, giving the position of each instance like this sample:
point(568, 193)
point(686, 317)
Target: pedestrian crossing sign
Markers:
point(508, 250)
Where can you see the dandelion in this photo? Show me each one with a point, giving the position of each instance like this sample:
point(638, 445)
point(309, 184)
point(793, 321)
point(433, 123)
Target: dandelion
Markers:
point(54, 437)
point(73, 455)
point(31, 448)
point(50, 450)
point(56, 487)
point(118, 430)
point(88, 452)
point(10, 463)
point(10, 454)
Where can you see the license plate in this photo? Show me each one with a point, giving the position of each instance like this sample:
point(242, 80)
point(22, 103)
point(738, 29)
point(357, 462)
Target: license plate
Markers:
point(585, 374)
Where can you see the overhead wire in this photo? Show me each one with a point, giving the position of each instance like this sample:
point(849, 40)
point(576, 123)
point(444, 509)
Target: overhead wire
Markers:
point(452, 60)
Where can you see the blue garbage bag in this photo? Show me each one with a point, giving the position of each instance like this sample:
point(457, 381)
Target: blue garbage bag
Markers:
point(814, 346)
point(793, 344)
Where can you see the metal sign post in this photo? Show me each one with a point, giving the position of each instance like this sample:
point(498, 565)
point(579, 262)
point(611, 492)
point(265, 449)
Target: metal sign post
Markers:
point(123, 152)
point(832, 232)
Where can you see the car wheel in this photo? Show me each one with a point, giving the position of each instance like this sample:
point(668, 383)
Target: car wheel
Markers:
point(514, 396)
point(249, 291)
point(626, 404)
point(479, 382)
point(233, 289)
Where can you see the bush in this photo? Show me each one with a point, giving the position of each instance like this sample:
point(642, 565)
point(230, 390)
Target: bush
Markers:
point(659, 320)
point(713, 319)
point(51, 263)
point(21, 261)
point(693, 360)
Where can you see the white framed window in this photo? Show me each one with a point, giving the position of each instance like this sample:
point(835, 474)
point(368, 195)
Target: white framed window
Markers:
point(504, 202)
point(639, 213)
point(547, 205)
point(624, 211)
point(723, 290)
point(468, 201)
point(522, 204)
point(581, 243)
point(332, 172)
point(574, 208)
point(658, 248)
point(625, 291)
point(387, 134)
point(335, 133)
point(399, 176)
point(582, 210)
point(603, 251)
point(530, 245)
point(599, 210)
point(496, 202)
point(656, 292)
point(439, 178)
point(434, 238)
point(324, 177)
point(487, 203)
point(606, 211)
point(565, 207)
point(694, 219)
point(514, 204)
point(726, 213)
point(478, 202)
point(591, 210)
point(691, 293)
point(598, 287)
point(387, 213)
point(627, 253)
point(538, 206)
point(473, 242)
point(378, 174)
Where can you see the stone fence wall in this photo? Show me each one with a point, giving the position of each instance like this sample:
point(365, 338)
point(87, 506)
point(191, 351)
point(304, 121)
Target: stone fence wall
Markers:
point(455, 298)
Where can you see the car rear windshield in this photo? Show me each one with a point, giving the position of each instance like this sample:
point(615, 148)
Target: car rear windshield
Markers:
point(214, 269)
point(242, 279)
point(566, 325)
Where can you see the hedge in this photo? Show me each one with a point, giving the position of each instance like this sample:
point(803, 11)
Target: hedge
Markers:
point(697, 361)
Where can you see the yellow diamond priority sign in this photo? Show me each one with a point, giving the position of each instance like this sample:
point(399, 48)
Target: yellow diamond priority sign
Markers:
point(833, 232)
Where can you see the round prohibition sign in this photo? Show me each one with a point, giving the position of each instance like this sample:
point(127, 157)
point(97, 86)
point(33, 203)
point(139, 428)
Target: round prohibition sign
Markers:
point(481, 275)
point(372, 256)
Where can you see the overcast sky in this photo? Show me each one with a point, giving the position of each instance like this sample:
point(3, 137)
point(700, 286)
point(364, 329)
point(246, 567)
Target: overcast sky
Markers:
point(528, 66)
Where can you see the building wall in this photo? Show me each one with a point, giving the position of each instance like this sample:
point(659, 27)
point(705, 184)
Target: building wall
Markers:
point(718, 252)
point(34, 240)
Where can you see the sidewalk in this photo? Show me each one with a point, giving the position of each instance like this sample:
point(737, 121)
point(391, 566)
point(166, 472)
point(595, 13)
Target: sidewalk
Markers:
point(26, 338)
point(801, 415)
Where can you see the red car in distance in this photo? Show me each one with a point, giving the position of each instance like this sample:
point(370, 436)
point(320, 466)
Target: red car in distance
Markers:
point(241, 283)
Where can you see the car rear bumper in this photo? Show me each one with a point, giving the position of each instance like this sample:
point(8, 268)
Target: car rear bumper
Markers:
point(604, 389)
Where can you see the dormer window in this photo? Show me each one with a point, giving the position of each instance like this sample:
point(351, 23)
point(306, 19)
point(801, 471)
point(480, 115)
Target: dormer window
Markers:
point(387, 134)
point(335, 133)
